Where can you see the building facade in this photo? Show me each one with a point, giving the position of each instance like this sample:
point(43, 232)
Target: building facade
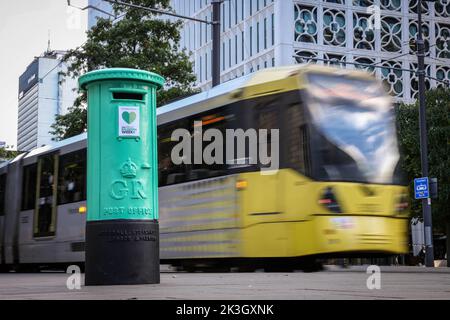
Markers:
point(250, 37)
point(257, 34)
point(98, 9)
point(43, 93)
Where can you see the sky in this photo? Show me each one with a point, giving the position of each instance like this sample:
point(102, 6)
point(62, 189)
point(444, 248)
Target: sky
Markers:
point(24, 34)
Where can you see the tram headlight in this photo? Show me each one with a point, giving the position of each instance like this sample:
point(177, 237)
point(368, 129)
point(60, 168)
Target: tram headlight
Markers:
point(241, 185)
point(329, 201)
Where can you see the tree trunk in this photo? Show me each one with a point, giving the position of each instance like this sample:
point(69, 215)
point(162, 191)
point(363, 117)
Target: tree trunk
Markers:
point(448, 243)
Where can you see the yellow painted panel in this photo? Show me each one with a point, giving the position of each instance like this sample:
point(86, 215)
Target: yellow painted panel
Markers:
point(325, 234)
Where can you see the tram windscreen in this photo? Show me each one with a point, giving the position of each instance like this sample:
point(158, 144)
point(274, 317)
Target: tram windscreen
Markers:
point(353, 130)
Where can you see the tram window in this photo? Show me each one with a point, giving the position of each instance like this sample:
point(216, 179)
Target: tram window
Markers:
point(333, 164)
point(29, 187)
point(44, 219)
point(306, 149)
point(47, 176)
point(169, 173)
point(266, 115)
point(2, 194)
point(218, 119)
point(72, 177)
point(297, 139)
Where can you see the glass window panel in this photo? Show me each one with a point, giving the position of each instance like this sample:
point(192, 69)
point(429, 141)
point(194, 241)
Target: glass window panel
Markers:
point(2, 194)
point(29, 187)
point(72, 177)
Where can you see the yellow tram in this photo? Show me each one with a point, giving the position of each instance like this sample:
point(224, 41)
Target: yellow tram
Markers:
point(337, 191)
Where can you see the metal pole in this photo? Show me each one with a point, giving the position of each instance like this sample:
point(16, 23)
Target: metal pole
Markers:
point(172, 14)
point(426, 203)
point(216, 42)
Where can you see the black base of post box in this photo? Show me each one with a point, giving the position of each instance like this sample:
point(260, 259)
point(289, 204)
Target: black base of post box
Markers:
point(122, 252)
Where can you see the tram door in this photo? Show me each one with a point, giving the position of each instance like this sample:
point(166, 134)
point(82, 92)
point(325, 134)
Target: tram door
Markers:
point(46, 189)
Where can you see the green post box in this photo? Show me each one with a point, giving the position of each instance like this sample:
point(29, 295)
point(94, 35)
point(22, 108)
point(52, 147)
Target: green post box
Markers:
point(122, 231)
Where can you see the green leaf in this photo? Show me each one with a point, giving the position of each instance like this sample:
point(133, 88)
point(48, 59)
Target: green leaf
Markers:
point(438, 125)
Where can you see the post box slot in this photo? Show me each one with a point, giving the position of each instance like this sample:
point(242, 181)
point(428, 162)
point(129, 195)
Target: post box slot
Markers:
point(128, 96)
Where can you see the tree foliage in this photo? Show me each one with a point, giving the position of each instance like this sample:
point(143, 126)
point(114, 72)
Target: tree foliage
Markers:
point(7, 154)
point(136, 39)
point(438, 125)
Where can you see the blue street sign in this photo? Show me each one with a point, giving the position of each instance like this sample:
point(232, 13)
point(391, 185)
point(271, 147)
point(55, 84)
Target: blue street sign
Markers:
point(421, 188)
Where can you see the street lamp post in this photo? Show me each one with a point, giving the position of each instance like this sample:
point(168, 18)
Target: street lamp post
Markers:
point(426, 203)
point(216, 42)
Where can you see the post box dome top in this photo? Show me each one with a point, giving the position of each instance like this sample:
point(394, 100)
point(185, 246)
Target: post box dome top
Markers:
point(121, 74)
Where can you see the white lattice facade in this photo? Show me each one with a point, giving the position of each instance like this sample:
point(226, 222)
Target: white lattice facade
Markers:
point(346, 30)
point(262, 33)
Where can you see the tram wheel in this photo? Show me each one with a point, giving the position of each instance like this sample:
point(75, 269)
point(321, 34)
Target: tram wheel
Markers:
point(25, 268)
point(279, 267)
point(246, 269)
point(311, 265)
point(4, 268)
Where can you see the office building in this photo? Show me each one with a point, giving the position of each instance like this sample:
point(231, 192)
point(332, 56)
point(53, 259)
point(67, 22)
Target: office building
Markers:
point(258, 34)
point(44, 92)
point(98, 9)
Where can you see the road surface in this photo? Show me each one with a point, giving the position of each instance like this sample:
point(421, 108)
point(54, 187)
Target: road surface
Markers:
point(333, 283)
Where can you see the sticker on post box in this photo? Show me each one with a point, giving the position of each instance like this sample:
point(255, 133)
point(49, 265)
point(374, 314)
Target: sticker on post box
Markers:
point(129, 122)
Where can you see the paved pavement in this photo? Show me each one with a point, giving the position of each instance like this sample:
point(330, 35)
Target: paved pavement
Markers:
point(333, 283)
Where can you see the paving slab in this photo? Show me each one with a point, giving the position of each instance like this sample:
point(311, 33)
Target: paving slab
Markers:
point(329, 284)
